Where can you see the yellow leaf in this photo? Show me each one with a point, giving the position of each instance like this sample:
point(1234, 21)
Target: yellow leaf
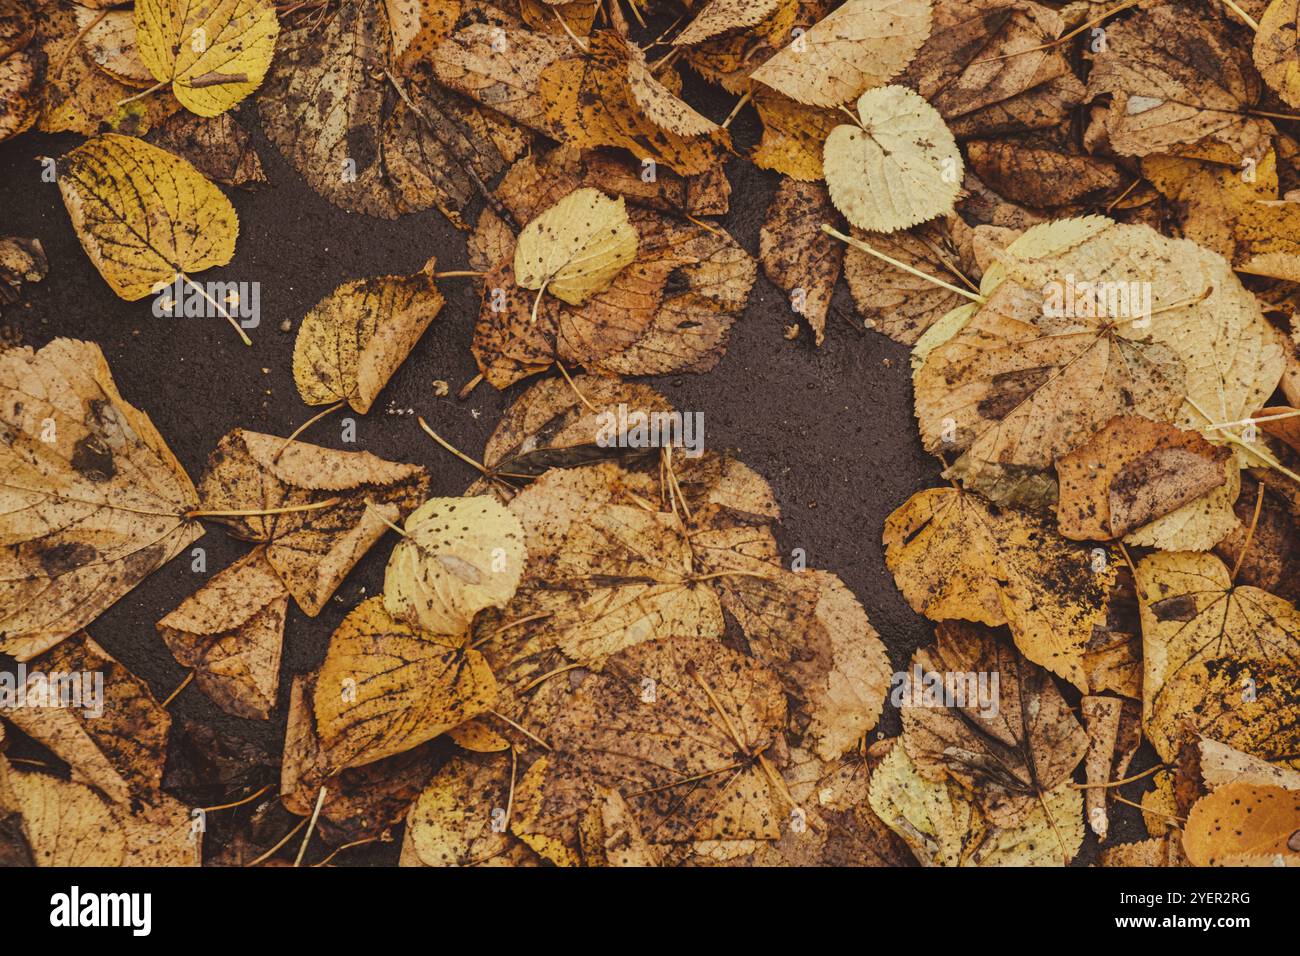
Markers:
point(354, 339)
point(143, 215)
point(459, 555)
point(576, 247)
point(1244, 824)
point(386, 687)
point(213, 53)
point(896, 169)
point(1277, 52)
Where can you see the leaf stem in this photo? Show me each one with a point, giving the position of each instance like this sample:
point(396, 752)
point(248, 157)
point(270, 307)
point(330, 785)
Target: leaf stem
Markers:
point(859, 244)
point(261, 512)
point(216, 305)
point(143, 93)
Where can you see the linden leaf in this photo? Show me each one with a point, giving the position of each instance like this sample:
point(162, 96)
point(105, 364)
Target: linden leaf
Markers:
point(354, 339)
point(796, 255)
point(92, 498)
point(862, 44)
point(576, 247)
point(898, 167)
point(213, 54)
point(143, 215)
point(386, 687)
point(955, 556)
point(1220, 659)
point(458, 556)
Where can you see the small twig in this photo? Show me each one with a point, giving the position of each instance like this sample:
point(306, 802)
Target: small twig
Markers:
point(582, 398)
point(347, 846)
point(1250, 21)
point(315, 814)
point(216, 305)
point(238, 803)
point(1118, 783)
point(174, 694)
point(276, 849)
point(735, 110)
point(523, 730)
point(143, 93)
point(1250, 533)
point(303, 427)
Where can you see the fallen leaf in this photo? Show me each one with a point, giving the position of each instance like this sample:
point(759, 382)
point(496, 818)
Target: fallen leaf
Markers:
point(953, 555)
point(386, 687)
point(860, 45)
point(143, 215)
point(219, 147)
point(1114, 733)
point(352, 341)
point(796, 255)
point(1132, 472)
point(1275, 49)
point(576, 247)
point(230, 632)
point(457, 556)
point(22, 261)
point(793, 135)
point(1244, 824)
point(212, 56)
point(897, 167)
point(314, 547)
point(93, 499)
point(1220, 659)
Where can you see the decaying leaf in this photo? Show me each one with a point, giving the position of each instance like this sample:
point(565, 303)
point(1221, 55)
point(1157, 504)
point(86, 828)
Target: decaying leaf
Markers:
point(862, 44)
point(955, 556)
point(1114, 733)
point(22, 261)
point(230, 632)
point(353, 340)
point(793, 135)
point(1220, 659)
point(1275, 51)
point(327, 507)
point(796, 255)
point(219, 147)
point(143, 215)
point(93, 499)
point(944, 827)
point(458, 556)
point(213, 55)
point(999, 726)
point(98, 717)
point(386, 687)
point(897, 167)
point(1132, 472)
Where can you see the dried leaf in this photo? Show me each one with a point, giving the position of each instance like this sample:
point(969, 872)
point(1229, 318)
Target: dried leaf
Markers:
point(796, 255)
point(577, 247)
point(1245, 824)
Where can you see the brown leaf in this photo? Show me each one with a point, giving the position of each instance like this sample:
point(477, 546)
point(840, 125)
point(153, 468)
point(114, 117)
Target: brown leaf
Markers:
point(796, 255)
point(1040, 176)
point(218, 146)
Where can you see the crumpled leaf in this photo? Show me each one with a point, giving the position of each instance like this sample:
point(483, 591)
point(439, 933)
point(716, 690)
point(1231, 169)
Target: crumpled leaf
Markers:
point(386, 687)
point(1114, 733)
point(93, 499)
point(898, 167)
point(796, 255)
point(944, 827)
point(689, 763)
point(1163, 100)
point(1004, 390)
point(213, 55)
point(1041, 175)
point(458, 556)
point(607, 96)
point(231, 632)
point(118, 747)
point(1220, 659)
point(576, 247)
point(22, 261)
point(1009, 744)
point(1244, 824)
point(1132, 472)
point(143, 215)
point(955, 556)
point(352, 341)
point(311, 550)
point(862, 44)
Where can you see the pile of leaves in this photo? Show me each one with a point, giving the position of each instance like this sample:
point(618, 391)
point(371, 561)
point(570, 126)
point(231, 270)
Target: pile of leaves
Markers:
point(1081, 217)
